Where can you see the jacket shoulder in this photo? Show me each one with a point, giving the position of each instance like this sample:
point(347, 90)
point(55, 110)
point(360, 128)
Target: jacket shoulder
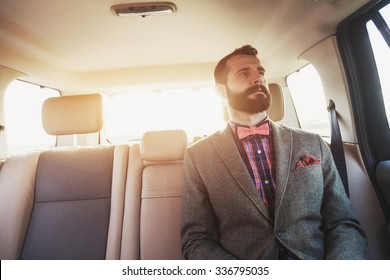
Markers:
point(298, 132)
point(204, 141)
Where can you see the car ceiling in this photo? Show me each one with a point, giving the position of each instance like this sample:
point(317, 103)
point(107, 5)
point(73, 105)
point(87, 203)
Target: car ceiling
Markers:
point(82, 46)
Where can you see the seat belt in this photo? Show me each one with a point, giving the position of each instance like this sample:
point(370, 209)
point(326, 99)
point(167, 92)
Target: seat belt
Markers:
point(336, 145)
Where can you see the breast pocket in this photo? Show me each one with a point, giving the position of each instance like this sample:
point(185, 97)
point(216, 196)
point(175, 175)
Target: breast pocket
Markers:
point(307, 182)
point(313, 172)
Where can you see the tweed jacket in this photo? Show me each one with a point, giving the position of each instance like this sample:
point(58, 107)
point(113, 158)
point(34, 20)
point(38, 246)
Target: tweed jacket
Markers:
point(224, 217)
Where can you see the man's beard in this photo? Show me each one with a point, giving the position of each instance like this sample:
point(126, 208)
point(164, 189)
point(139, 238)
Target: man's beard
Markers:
point(240, 100)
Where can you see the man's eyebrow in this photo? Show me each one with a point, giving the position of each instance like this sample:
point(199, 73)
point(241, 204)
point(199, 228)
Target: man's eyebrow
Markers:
point(241, 70)
point(261, 68)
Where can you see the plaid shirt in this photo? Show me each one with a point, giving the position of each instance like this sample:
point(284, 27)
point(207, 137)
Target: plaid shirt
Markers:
point(258, 154)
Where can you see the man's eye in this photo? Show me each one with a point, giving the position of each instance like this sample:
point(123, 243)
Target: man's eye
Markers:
point(243, 74)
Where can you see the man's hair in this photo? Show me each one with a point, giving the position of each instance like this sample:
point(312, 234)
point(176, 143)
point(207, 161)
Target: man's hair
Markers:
point(220, 71)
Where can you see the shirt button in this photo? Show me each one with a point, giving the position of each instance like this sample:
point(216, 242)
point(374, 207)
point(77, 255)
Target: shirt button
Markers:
point(259, 152)
point(266, 182)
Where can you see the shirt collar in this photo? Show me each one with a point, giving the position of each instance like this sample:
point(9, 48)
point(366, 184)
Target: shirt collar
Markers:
point(234, 125)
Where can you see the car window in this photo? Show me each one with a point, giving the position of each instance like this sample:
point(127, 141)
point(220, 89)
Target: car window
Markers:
point(309, 100)
point(364, 40)
point(382, 57)
point(23, 104)
point(197, 111)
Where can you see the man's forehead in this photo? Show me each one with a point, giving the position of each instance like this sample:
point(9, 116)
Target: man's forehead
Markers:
point(239, 61)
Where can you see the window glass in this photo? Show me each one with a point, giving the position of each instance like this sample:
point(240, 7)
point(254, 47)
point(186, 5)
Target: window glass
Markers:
point(309, 100)
point(23, 105)
point(196, 111)
point(385, 12)
point(382, 57)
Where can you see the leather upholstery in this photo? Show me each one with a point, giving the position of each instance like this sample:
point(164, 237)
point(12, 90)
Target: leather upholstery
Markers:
point(77, 194)
point(153, 197)
point(164, 145)
point(17, 182)
point(76, 114)
point(276, 111)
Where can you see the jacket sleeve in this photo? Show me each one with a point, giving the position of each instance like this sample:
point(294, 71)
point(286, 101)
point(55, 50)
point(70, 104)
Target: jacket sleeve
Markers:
point(344, 237)
point(199, 234)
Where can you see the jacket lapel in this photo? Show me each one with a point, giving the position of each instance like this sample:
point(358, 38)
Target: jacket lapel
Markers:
point(282, 141)
point(227, 149)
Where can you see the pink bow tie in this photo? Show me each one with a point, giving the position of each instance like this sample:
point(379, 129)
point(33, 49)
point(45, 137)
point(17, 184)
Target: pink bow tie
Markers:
point(243, 132)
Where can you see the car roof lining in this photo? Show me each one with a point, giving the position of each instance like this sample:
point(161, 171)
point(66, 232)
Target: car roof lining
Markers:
point(83, 46)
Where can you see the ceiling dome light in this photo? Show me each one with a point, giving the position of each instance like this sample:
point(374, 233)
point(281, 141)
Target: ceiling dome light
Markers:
point(144, 9)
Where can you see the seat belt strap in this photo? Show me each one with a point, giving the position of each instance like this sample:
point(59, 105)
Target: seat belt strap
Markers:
point(336, 145)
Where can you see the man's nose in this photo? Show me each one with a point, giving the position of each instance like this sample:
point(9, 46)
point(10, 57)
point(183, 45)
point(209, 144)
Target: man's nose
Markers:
point(259, 79)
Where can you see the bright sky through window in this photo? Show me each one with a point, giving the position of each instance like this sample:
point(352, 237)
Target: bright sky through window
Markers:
point(197, 111)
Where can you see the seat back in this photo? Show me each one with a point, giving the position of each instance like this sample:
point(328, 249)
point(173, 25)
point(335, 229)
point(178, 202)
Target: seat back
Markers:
point(69, 202)
point(75, 206)
point(71, 211)
point(17, 184)
point(157, 180)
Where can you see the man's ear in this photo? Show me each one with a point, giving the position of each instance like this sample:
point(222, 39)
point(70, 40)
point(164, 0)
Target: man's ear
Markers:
point(220, 89)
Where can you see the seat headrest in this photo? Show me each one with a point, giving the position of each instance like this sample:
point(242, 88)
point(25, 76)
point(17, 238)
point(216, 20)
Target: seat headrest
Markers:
point(76, 114)
point(164, 145)
point(276, 111)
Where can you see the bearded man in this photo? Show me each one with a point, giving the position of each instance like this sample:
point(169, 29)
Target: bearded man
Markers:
point(260, 190)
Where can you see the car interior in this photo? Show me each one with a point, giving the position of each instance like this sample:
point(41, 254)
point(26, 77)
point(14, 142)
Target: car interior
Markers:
point(121, 89)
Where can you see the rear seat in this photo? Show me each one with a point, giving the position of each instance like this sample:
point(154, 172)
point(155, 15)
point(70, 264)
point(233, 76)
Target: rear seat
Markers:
point(153, 197)
point(75, 213)
point(101, 202)
point(17, 181)
point(64, 203)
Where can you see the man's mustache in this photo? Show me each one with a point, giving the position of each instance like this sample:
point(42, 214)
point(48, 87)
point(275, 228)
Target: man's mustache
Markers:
point(258, 88)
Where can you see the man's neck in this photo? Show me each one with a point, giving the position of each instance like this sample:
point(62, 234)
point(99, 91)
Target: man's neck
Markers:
point(245, 118)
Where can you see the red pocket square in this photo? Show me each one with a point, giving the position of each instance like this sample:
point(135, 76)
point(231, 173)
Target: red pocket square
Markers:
point(308, 160)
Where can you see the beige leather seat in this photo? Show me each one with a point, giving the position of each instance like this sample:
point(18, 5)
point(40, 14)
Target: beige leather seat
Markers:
point(151, 228)
point(155, 182)
point(75, 119)
point(276, 110)
point(103, 202)
point(64, 203)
